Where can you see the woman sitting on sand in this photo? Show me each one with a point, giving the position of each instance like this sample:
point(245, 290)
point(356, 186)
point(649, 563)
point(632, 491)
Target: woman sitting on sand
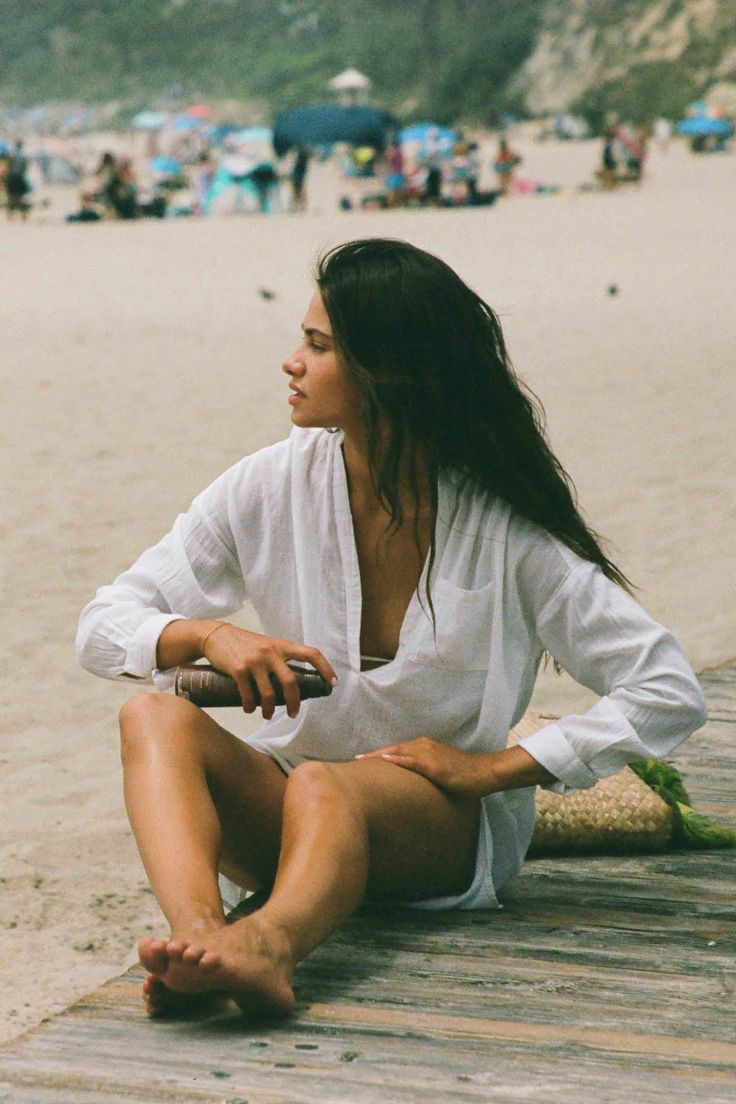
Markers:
point(416, 541)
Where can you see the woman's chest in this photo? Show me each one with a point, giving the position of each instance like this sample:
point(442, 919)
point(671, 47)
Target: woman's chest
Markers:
point(390, 566)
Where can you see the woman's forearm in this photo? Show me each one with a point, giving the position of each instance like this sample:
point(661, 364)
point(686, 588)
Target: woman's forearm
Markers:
point(511, 769)
point(181, 642)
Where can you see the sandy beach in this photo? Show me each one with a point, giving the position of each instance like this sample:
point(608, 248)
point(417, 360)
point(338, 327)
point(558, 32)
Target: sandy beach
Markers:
point(139, 360)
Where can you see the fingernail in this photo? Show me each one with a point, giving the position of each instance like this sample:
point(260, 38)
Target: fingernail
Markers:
point(361, 756)
point(333, 682)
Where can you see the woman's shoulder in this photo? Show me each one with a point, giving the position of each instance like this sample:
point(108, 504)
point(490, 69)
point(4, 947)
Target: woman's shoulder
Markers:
point(274, 462)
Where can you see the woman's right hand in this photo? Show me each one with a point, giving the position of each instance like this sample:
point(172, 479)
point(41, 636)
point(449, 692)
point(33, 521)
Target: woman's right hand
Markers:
point(250, 658)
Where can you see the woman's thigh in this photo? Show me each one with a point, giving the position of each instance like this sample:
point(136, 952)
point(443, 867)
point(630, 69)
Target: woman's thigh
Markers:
point(248, 788)
point(173, 739)
point(423, 840)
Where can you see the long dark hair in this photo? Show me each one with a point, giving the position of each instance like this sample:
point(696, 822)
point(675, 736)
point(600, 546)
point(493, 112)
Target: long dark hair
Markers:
point(437, 384)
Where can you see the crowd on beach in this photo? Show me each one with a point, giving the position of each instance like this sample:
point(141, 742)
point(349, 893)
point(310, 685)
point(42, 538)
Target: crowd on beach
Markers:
point(222, 169)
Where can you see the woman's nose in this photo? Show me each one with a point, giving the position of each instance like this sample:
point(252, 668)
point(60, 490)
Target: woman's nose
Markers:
point(293, 365)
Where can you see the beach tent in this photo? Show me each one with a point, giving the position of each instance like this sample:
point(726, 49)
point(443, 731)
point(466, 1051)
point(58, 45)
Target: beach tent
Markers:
point(357, 125)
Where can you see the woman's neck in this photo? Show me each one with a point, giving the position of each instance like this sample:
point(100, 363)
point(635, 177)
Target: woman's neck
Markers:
point(363, 495)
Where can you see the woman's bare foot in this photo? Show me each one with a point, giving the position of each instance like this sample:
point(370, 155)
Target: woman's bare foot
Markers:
point(249, 961)
point(159, 998)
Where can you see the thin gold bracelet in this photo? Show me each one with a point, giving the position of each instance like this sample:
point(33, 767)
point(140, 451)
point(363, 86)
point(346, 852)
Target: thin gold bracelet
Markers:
point(219, 625)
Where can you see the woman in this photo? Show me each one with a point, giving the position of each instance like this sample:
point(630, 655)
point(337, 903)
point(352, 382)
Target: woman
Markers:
point(417, 542)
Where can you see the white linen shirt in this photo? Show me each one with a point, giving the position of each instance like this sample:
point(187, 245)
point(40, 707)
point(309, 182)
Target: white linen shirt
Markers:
point(276, 528)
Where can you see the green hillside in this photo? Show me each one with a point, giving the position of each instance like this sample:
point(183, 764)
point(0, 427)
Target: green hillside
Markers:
point(470, 60)
point(447, 58)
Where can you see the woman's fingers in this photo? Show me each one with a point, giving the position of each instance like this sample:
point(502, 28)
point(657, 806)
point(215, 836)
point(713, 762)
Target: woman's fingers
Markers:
point(261, 677)
point(251, 658)
point(247, 695)
point(289, 687)
point(315, 658)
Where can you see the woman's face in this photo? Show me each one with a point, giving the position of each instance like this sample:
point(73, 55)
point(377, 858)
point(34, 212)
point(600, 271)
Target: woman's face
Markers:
point(322, 391)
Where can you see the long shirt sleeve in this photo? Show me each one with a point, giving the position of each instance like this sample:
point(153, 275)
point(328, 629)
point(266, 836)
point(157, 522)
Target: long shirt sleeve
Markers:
point(649, 698)
point(191, 573)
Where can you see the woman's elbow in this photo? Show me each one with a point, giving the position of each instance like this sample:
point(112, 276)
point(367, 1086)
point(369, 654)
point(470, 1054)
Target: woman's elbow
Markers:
point(695, 712)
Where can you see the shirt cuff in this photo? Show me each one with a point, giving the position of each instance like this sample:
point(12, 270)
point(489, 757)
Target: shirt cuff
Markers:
point(550, 748)
point(140, 656)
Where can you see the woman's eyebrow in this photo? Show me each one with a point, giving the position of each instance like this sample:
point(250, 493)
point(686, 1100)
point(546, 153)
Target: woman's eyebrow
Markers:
point(310, 331)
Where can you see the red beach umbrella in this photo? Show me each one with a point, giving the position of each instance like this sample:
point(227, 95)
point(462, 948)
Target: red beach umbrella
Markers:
point(199, 111)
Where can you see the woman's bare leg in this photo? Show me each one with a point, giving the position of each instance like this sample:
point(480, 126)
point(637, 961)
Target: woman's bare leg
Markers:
point(347, 827)
point(198, 800)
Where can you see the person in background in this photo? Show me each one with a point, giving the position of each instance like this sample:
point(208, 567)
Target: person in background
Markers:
point(505, 164)
point(473, 173)
point(609, 163)
point(17, 186)
point(297, 178)
point(395, 175)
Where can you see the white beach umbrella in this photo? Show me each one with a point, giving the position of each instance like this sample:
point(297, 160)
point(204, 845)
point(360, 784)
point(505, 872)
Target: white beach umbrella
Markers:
point(350, 80)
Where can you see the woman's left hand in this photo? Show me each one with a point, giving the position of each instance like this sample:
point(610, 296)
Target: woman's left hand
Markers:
point(448, 767)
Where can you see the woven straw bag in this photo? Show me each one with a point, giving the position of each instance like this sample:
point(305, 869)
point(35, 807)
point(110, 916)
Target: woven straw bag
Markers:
point(619, 814)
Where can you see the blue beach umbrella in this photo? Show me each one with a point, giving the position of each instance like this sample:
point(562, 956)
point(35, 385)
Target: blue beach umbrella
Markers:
point(186, 122)
point(220, 131)
point(358, 125)
point(419, 132)
point(702, 126)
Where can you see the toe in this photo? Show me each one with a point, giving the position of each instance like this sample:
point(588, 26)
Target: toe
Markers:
point(209, 961)
point(153, 955)
point(192, 954)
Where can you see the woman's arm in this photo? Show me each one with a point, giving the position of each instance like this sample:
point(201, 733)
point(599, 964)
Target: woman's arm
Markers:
point(463, 773)
point(649, 698)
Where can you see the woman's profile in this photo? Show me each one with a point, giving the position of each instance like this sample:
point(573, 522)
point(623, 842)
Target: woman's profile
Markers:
point(416, 541)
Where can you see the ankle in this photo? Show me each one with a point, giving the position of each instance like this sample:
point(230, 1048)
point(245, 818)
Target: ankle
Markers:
point(197, 919)
point(276, 937)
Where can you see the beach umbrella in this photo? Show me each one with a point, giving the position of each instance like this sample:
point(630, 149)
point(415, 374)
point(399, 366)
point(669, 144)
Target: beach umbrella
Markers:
point(250, 136)
point(420, 132)
point(148, 120)
point(350, 80)
point(185, 122)
point(219, 132)
point(166, 166)
point(702, 126)
point(324, 125)
point(199, 111)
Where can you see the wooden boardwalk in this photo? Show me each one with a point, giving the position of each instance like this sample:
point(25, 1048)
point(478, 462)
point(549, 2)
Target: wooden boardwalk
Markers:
point(602, 981)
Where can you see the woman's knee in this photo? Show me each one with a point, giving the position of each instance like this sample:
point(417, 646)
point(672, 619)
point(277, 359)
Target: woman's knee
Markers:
point(148, 718)
point(317, 784)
